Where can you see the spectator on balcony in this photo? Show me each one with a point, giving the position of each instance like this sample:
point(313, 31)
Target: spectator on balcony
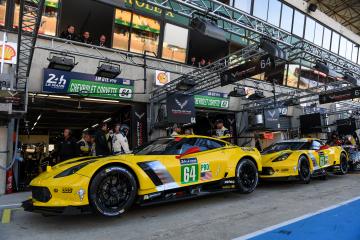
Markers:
point(70, 34)
point(202, 63)
point(85, 38)
point(102, 41)
point(193, 61)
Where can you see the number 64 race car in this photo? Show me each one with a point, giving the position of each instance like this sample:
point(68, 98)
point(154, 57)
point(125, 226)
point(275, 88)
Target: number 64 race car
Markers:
point(302, 159)
point(163, 170)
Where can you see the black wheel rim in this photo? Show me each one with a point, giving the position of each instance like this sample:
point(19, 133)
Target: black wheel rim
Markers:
point(113, 193)
point(247, 175)
point(304, 169)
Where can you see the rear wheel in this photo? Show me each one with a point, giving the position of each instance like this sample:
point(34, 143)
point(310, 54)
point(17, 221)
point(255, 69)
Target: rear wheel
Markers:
point(247, 176)
point(344, 166)
point(304, 170)
point(112, 191)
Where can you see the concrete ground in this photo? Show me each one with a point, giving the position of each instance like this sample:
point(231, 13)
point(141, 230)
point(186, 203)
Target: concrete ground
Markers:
point(223, 216)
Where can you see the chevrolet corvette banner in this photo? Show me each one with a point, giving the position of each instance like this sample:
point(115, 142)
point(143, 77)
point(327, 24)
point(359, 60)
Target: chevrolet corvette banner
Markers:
point(180, 108)
point(87, 85)
point(210, 99)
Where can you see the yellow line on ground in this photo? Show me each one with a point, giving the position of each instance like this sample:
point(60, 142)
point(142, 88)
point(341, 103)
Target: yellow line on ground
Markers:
point(6, 216)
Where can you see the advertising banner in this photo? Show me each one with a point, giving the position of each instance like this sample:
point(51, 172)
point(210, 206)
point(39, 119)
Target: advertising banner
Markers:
point(139, 125)
point(209, 99)
point(8, 52)
point(180, 108)
point(272, 118)
point(87, 85)
point(248, 69)
point(339, 96)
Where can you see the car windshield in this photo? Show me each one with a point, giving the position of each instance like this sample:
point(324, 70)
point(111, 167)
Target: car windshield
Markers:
point(176, 146)
point(280, 146)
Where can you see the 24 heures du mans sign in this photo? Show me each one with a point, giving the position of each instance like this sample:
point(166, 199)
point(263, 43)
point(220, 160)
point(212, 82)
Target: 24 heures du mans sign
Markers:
point(339, 96)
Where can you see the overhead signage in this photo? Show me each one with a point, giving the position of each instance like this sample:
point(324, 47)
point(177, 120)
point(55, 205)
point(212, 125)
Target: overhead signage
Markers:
point(87, 85)
point(272, 118)
point(180, 108)
point(8, 52)
point(209, 99)
point(339, 96)
point(161, 78)
point(248, 69)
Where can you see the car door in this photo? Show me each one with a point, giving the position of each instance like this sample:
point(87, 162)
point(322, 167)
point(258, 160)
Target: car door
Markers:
point(321, 154)
point(209, 164)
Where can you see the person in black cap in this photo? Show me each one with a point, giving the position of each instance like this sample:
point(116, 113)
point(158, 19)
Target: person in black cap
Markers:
point(221, 130)
point(69, 34)
point(67, 147)
point(101, 141)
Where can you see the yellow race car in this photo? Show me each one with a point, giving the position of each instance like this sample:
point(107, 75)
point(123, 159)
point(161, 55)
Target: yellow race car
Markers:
point(302, 159)
point(163, 170)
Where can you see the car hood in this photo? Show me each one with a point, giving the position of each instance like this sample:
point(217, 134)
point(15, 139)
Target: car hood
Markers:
point(268, 158)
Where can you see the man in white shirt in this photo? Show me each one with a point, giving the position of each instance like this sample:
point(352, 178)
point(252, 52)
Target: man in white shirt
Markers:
point(120, 142)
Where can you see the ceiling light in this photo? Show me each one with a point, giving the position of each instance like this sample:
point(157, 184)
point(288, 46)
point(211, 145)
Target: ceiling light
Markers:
point(100, 100)
point(107, 120)
point(42, 95)
point(208, 28)
point(185, 84)
point(108, 70)
point(61, 62)
point(38, 118)
point(95, 125)
point(256, 96)
point(58, 96)
point(238, 92)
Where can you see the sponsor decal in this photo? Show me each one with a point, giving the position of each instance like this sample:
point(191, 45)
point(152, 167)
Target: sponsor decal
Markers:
point(188, 161)
point(189, 170)
point(205, 173)
point(323, 160)
point(81, 194)
point(181, 104)
point(229, 182)
point(67, 190)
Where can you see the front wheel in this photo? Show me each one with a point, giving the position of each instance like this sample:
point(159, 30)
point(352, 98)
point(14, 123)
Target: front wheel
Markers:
point(112, 191)
point(247, 176)
point(304, 170)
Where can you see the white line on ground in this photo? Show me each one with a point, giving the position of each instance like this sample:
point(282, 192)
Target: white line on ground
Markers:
point(10, 205)
point(268, 229)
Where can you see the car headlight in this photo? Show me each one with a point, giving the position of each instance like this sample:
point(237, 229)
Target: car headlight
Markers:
point(72, 170)
point(282, 157)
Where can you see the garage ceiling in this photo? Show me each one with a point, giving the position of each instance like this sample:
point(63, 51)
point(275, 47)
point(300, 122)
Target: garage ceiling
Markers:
point(346, 12)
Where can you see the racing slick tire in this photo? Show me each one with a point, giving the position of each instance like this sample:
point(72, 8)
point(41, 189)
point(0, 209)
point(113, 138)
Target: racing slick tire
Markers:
point(246, 176)
point(304, 170)
point(344, 165)
point(112, 191)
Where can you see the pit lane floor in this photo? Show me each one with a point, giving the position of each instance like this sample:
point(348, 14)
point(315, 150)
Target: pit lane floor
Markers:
point(223, 216)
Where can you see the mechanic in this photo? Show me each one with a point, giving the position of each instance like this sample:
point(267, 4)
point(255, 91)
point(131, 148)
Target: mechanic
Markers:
point(176, 130)
point(124, 131)
point(67, 147)
point(116, 139)
point(221, 130)
point(334, 140)
point(85, 144)
point(101, 141)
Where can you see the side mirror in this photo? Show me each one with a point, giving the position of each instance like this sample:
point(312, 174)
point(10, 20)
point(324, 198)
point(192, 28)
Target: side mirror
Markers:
point(189, 151)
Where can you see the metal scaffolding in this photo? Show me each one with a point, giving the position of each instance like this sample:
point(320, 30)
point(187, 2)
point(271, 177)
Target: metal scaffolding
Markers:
point(29, 23)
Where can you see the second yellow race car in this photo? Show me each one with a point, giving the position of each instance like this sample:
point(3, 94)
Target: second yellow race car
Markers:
point(163, 170)
point(302, 159)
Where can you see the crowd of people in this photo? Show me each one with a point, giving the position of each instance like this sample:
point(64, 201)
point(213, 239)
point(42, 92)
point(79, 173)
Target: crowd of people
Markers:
point(202, 63)
point(220, 132)
point(85, 37)
point(102, 142)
